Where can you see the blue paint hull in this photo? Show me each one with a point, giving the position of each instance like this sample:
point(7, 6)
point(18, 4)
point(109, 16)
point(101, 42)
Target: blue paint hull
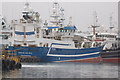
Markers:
point(57, 54)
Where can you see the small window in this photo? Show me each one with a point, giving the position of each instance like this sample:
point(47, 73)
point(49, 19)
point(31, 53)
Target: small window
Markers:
point(40, 44)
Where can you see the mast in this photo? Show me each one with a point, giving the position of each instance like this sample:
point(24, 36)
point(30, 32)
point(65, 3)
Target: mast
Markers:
point(24, 35)
point(111, 23)
point(55, 14)
point(95, 25)
point(57, 17)
point(62, 17)
point(70, 21)
point(26, 6)
point(29, 15)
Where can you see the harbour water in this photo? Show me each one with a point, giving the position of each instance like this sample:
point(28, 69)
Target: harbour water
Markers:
point(64, 70)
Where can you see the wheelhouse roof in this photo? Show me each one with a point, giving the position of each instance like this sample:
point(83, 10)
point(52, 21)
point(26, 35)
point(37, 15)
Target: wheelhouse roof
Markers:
point(65, 27)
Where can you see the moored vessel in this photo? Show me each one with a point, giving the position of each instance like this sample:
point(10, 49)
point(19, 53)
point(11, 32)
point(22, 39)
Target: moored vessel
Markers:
point(28, 41)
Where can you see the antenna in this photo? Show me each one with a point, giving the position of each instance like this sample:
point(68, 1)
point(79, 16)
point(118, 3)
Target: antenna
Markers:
point(26, 6)
point(70, 21)
point(62, 17)
point(111, 22)
point(95, 20)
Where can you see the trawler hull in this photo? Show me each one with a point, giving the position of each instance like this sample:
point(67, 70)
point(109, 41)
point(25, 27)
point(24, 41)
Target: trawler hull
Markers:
point(59, 54)
point(112, 56)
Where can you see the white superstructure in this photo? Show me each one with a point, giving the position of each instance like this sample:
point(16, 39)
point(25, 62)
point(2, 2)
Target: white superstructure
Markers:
point(57, 29)
point(28, 31)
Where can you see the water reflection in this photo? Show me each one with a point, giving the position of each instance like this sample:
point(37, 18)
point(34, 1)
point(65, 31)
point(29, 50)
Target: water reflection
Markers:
point(64, 70)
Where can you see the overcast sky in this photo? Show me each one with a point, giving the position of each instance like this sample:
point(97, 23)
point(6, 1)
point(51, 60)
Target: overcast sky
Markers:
point(81, 12)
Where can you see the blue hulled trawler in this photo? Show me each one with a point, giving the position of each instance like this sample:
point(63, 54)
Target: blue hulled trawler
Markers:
point(48, 43)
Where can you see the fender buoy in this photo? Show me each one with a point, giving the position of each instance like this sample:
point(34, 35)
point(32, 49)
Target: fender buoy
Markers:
point(6, 65)
point(18, 66)
point(12, 65)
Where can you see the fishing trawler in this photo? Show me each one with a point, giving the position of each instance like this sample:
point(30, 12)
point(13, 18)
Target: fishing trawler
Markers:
point(29, 40)
point(99, 35)
point(111, 51)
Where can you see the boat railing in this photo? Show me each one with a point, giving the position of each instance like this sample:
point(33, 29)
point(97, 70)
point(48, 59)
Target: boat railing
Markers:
point(56, 44)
